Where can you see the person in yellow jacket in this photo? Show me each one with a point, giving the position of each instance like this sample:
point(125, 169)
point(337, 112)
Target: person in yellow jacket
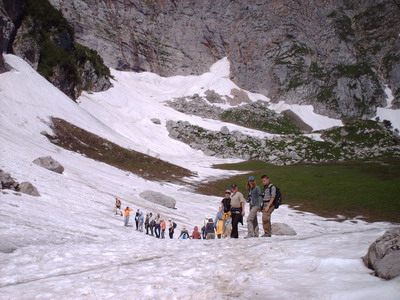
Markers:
point(127, 212)
point(219, 222)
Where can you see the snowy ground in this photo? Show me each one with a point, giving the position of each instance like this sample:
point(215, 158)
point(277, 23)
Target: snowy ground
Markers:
point(67, 244)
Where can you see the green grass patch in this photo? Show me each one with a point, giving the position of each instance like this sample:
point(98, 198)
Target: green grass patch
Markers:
point(71, 137)
point(367, 188)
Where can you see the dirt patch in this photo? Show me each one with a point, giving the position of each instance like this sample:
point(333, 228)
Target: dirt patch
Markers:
point(71, 137)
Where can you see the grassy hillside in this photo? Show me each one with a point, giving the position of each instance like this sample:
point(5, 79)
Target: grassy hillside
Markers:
point(367, 188)
point(76, 139)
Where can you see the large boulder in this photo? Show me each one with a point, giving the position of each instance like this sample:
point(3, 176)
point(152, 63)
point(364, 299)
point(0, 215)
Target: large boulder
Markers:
point(27, 188)
point(384, 255)
point(50, 164)
point(159, 198)
point(282, 229)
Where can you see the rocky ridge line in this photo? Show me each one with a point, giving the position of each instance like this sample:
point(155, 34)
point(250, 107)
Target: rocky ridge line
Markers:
point(335, 55)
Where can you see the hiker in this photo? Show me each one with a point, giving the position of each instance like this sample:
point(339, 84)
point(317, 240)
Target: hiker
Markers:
point(184, 234)
point(117, 208)
point(126, 215)
point(196, 235)
point(157, 227)
point(219, 222)
point(203, 228)
point(151, 224)
point(171, 228)
point(163, 226)
point(141, 221)
point(146, 223)
point(210, 232)
point(237, 210)
point(226, 202)
point(227, 229)
point(137, 216)
point(267, 204)
point(254, 200)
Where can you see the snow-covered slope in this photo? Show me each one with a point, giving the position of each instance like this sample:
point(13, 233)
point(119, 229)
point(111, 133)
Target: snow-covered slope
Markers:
point(67, 244)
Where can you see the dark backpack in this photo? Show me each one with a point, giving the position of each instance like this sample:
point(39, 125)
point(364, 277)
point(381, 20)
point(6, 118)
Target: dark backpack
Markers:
point(278, 196)
point(227, 204)
point(174, 224)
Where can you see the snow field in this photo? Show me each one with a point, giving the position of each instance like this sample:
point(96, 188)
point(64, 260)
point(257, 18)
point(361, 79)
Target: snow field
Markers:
point(68, 244)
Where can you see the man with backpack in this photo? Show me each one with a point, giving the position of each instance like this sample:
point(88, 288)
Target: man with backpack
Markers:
point(254, 200)
point(268, 204)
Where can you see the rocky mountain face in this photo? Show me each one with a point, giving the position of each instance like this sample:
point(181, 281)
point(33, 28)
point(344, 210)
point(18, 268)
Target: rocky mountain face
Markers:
point(10, 12)
point(37, 32)
point(335, 55)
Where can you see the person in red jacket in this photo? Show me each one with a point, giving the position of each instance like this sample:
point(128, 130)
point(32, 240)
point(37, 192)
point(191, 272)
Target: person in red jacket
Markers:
point(196, 233)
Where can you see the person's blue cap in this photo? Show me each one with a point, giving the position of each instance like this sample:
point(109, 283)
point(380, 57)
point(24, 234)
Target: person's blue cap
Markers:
point(251, 178)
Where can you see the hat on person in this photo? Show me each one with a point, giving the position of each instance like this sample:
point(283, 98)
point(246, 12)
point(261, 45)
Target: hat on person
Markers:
point(251, 178)
point(233, 185)
point(227, 192)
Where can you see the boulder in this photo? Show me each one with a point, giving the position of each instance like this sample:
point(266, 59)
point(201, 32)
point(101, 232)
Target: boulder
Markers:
point(213, 97)
point(50, 164)
point(7, 182)
point(224, 130)
point(384, 255)
point(27, 188)
point(389, 266)
point(159, 198)
point(156, 121)
point(282, 229)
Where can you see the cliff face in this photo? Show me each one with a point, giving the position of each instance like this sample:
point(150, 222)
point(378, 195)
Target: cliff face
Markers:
point(336, 55)
point(10, 13)
point(37, 32)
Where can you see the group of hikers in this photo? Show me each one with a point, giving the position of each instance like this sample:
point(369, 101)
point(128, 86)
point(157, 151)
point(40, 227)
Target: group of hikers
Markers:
point(152, 225)
point(232, 209)
point(225, 224)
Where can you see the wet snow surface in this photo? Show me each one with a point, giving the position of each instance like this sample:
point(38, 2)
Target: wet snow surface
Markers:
point(68, 244)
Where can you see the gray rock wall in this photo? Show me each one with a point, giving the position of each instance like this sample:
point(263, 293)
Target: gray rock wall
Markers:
point(334, 54)
point(45, 40)
point(10, 12)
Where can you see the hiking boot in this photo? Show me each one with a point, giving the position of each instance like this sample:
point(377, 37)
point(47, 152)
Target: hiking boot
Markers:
point(266, 235)
point(248, 236)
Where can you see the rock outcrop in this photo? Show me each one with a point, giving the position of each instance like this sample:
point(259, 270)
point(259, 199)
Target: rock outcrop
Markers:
point(37, 32)
point(159, 198)
point(10, 12)
point(50, 164)
point(384, 255)
point(340, 143)
point(336, 55)
point(7, 182)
